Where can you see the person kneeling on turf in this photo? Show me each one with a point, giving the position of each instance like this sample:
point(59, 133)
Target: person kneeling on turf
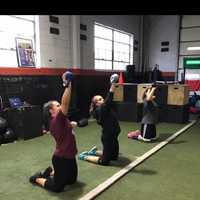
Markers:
point(106, 118)
point(148, 124)
point(64, 171)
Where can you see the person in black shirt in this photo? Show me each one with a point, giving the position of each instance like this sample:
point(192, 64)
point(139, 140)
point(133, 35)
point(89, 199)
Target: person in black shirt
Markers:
point(102, 111)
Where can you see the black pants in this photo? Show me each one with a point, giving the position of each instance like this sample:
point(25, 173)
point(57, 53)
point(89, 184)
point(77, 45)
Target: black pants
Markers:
point(65, 173)
point(110, 150)
point(148, 131)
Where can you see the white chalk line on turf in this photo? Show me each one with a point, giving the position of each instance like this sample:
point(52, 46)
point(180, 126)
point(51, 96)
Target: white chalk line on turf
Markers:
point(103, 186)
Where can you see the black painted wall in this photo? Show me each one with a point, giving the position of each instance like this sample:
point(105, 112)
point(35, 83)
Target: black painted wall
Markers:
point(36, 90)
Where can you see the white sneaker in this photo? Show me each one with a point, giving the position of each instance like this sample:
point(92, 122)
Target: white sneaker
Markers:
point(92, 151)
point(140, 137)
point(143, 139)
point(146, 140)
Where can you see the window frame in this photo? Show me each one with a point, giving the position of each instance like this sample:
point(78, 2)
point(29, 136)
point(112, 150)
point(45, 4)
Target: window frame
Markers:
point(114, 41)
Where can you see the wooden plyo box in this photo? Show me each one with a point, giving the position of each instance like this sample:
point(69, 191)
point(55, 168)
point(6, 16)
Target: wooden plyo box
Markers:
point(130, 92)
point(140, 90)
point(178, 94)
point(119, 93)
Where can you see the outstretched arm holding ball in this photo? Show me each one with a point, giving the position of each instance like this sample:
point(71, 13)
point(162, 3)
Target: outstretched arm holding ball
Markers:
point(64, 157)
point(67, 78)
point(103, 112)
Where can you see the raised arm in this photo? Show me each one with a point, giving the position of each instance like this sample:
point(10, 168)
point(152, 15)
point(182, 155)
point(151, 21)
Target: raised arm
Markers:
point(109, 97)
point(66, 99)
point(67, 78)
point(150, 94)
point(113, 80)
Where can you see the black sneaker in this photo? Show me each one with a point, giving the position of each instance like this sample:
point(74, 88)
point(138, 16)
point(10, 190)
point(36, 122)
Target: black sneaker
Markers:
point(33, 178)
point(47, 172)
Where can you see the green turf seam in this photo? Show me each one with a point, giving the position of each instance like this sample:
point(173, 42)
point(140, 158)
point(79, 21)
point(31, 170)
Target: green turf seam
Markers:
point(103, 186)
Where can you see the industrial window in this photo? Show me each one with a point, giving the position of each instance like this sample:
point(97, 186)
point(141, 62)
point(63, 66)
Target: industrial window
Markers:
point(11, 27)
point(113, 48)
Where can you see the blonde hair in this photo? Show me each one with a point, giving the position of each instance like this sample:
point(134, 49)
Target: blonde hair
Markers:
point(93, 105)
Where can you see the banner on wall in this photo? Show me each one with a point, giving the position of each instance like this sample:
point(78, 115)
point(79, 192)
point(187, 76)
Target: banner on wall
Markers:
point(25, 53)
point(192, 72)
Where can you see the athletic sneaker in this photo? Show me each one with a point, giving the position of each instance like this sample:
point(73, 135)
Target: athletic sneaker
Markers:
point(83, 155)
point(92, 151)
point(33, 178)
point(143, 139)
point(146, 140)
point(47, 172)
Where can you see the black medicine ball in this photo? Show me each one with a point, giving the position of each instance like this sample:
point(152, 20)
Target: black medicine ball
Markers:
point(9, 136)
point(83, 122)
point(3, 125)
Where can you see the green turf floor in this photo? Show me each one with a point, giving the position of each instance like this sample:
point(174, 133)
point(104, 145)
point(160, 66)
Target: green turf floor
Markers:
point(170, 174)
point(21, 159)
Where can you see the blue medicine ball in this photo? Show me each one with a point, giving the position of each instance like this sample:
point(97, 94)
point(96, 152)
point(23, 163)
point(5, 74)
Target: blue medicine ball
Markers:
point(69, 76)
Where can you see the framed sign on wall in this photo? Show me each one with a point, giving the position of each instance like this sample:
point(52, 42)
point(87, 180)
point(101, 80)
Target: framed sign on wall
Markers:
point(25, 53)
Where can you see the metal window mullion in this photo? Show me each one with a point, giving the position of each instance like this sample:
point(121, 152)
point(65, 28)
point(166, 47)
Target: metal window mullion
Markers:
point(103, 59)
point(34, 35)
point(7, 49)
point(129, 49)
point(21, 18)
point(124, 42)
point(103, 38)
point(121, 61)
point(112, 49)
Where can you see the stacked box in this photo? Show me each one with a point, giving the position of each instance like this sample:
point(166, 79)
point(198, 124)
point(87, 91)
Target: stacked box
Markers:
point(119, 93)
point(178, 94)
point(127, 111)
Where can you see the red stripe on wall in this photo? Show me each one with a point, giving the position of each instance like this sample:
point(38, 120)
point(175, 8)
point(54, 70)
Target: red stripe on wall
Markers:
point(168, 74)
point(48, 71)
point(59, 71)
point(30, 71)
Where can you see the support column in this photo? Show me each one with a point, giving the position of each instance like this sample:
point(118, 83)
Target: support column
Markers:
point(75, 33)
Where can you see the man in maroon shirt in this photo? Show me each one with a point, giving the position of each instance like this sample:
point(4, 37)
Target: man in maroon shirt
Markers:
point(64, 171)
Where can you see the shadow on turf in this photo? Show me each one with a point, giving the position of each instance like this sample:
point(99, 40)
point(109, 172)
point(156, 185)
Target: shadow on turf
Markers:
point(70, 192)
point(178, 142)
point(144, 171)
point(121, 162)
point(164, 136)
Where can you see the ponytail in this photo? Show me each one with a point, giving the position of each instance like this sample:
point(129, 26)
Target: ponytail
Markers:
point(92, 107)
point(47, 115)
